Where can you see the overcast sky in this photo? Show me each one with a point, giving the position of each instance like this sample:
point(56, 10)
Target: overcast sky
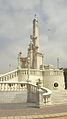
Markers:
point(16, 26)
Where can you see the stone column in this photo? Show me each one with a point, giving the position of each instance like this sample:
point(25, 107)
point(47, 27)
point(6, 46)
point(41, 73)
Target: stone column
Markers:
point(6, 86)
point(28, 93)
point(39, 96)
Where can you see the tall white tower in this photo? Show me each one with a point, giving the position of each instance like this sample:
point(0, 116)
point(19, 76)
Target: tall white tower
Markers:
point(36, 60)
point(35, 33)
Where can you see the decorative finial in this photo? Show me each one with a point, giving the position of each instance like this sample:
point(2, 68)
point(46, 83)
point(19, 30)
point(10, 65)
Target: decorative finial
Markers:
point(35, 16)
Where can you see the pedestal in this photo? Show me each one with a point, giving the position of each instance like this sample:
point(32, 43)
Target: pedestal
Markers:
point(39, 98)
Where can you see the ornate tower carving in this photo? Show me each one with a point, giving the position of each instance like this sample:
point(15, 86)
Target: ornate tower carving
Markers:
point(30, 53)
point(35, 55)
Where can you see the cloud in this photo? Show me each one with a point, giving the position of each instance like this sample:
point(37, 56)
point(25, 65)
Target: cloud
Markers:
point(15, 28)
point(18, 4)
point(26, 4)
point(55, 12)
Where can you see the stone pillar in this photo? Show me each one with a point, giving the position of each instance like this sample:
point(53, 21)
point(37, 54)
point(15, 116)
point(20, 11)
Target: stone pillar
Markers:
point(28, 93)
point(39, 96)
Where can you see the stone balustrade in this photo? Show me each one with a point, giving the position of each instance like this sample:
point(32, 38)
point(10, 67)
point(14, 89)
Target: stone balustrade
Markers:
point(46, 95)
point(8, 76)
point(32, 92)
point(33, 72)
point(24, 71)
point(53, 73)
point(36, 72)
point(16, 86)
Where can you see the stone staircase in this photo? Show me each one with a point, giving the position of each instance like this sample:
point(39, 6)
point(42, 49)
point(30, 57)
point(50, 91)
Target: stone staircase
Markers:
point(11, 76)
point(59, 97)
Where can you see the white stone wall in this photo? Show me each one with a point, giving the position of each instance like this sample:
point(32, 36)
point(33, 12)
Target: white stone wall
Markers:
point(13, 97)
point(47, 77)
point(50, 78)
point(22, 75)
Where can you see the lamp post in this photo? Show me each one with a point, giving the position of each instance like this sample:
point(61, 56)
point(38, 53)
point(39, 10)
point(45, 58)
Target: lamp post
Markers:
point(58, 62)
point(19, 62)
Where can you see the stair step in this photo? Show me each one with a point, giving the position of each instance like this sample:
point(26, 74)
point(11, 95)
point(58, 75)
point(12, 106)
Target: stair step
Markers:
point(59, 96)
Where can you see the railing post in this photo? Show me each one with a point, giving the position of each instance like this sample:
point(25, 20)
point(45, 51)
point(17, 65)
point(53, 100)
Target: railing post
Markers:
point(39, 96)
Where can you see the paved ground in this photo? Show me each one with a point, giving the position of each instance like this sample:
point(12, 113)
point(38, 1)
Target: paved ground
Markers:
point(18, 110)
point(64, 117)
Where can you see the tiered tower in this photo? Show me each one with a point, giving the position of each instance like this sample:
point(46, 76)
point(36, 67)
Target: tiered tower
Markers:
point(36, 58)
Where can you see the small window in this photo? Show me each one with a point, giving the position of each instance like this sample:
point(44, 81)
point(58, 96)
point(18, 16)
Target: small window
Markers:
point(55, 84)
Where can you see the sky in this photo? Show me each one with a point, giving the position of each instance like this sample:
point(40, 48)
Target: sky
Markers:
point(16, 18)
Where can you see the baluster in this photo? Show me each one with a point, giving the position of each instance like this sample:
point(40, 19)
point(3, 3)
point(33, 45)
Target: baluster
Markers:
point(6, 87)
point(0, 86)
point(15, 86)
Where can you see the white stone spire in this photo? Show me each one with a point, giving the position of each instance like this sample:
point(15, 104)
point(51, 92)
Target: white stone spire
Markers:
point(35, 33)
point(35, 27)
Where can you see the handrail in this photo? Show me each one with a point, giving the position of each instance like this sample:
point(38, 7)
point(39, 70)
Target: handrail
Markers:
point(8, 73)
point(48, 92)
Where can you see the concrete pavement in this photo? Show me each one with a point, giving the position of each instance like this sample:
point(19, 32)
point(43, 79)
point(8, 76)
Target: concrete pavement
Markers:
point(16, 110)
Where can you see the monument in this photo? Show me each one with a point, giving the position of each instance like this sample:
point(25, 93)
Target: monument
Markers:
point(31, 70)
